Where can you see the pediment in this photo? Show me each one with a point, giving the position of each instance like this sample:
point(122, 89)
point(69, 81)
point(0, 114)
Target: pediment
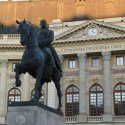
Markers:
point(85, 31)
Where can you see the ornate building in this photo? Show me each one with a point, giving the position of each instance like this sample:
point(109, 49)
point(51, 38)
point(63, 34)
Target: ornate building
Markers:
point(92, 54)
point(34, 10)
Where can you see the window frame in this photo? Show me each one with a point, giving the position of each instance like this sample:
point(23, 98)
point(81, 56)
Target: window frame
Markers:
point(119, 61)
point(93, 64)
point(73, 113)
point(14, 95)
point(121, 102)
point(96, 92)
point(72, 66)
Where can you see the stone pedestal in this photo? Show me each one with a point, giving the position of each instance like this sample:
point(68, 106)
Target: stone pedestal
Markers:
point(31, 113)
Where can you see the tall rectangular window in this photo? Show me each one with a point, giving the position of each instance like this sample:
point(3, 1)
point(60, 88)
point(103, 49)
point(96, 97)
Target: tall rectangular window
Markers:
point(119, 61)
point(72, 63)
point(95, 62)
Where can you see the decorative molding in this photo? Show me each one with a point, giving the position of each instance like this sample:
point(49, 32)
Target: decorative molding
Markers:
point(103, 33)
point(91, 48)
point(4, 62)
point(106, 55)
point(106, 31)
point(82, 57)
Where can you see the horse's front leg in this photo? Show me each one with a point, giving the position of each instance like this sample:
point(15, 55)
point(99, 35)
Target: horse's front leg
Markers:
point(56, 81)
point(37, 94)
point(17, 70)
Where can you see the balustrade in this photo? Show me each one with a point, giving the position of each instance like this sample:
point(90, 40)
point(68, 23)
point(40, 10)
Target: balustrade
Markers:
point(71, 119)
point(119, 118)
point(94, 118)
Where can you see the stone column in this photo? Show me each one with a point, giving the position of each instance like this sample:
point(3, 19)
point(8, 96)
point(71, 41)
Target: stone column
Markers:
point(26, 87)
point(3, 90)
point(82, 88)
point(107, 117)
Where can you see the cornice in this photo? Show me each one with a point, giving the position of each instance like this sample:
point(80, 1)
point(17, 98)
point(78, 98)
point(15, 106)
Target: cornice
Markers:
point(10, 47)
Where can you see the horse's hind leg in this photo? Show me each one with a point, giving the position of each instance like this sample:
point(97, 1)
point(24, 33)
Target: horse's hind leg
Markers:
point(56, 80)
point(17, 70)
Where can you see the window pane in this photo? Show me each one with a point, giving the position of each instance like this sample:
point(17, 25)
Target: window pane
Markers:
point(14, 95)
point(119, 61)
point(119, 99)
point(95, 62)
point(72, 64)
point(96, 100)
point(72, 101)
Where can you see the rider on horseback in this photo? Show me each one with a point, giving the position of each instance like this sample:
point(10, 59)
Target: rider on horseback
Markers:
point(45, 37)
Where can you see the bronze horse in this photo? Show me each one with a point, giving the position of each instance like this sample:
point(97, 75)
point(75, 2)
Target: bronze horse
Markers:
point(35, 62)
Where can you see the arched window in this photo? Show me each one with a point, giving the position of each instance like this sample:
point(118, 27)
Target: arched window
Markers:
point(72, 101)
point(96, 100)
point(119, 99)
point(42, 97)
point(14, 95)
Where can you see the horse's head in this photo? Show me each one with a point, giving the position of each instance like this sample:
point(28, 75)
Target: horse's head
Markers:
point(25, 29)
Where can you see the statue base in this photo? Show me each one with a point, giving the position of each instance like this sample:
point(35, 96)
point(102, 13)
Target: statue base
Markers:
point(33, 113)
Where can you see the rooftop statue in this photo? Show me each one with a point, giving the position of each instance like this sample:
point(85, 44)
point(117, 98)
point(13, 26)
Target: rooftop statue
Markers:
point(39, 58)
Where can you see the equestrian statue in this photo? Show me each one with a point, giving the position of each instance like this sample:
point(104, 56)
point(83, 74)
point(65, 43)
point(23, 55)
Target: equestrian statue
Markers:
point(39, 59)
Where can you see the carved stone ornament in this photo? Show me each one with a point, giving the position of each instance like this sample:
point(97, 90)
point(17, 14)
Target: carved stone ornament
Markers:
point(82, 56)
point(106, 55)
point(3, 62)
point(20, 120)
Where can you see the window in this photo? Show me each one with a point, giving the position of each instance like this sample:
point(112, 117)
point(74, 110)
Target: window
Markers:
point(96, 100)
point(120, 61)
point(119, 99)
point(14, 95)
point(72, 63)
point(95, 62)
point(13, 67)
point(72, 101)
point(42, 97)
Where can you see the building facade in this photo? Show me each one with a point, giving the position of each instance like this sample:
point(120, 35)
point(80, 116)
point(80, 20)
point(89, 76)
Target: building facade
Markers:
point(92, 53)
point(34, 10)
